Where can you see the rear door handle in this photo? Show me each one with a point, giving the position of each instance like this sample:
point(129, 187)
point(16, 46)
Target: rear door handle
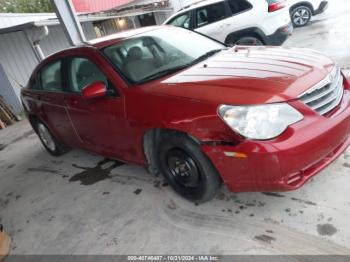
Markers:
point(46, 99)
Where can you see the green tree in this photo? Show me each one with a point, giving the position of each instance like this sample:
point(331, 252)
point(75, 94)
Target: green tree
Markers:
point(25, 6)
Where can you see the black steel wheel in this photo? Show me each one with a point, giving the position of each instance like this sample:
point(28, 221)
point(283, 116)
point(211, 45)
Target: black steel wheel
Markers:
point(186, 168)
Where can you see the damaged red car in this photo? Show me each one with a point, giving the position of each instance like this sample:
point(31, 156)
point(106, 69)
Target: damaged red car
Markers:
point(200, 113)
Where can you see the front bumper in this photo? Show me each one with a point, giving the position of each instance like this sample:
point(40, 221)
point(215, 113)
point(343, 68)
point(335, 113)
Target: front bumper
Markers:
point(323, 6)
point(287, 162)
point(280, 35)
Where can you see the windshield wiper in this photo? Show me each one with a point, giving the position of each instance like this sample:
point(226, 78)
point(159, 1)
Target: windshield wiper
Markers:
point(163, 72)
point(177, 68)
point(206, 55)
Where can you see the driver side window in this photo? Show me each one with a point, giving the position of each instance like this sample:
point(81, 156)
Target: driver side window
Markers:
point(83, 72)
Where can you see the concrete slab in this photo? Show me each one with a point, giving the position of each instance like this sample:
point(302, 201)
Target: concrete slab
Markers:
point(59, 206)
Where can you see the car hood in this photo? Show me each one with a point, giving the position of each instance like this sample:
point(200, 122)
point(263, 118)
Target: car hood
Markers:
point(248, 75)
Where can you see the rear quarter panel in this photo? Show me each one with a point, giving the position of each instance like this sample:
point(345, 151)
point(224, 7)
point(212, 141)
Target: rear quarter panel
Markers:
point(269, 22)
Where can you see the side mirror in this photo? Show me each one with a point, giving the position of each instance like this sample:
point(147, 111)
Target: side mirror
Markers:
point(94, 90)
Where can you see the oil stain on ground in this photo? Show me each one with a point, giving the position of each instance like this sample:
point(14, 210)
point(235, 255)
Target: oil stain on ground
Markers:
point(42, 169)
point(137, 191)
point(265, 238)
point(302, 201)
point(346, 165)
point(25, 135)
point(272, 194)
point(92, 175)
point(326, 230)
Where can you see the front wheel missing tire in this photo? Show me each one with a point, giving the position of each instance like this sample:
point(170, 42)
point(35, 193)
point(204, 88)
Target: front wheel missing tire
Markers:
point(186, 168)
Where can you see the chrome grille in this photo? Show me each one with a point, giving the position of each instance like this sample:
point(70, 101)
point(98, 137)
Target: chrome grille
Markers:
point(327, 94)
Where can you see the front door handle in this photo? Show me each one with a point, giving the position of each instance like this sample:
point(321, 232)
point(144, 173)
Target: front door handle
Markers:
point(72, 102)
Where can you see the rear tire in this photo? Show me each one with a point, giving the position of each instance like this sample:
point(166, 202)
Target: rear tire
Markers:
point(301, 16)
point(186, 168)
point(48, 140)
point(248, 39)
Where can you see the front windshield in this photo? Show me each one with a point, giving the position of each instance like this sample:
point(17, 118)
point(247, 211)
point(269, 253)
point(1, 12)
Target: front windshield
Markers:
point(159, 52)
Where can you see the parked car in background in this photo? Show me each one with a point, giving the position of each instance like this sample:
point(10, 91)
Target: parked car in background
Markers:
point(301, 11)
point(241, 22)
point(196, 111)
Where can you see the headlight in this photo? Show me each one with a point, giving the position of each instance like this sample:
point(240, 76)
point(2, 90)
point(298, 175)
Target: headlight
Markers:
point(260, 122)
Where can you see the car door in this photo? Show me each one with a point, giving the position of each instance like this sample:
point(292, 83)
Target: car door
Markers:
point(50, 101)
point(212, 20)
point(99, 122)
point(243, 15)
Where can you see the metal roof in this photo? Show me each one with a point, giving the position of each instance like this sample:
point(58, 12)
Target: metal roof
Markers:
point(90, 6)
point(13, 19)
point(133, 7)
point(23, 21)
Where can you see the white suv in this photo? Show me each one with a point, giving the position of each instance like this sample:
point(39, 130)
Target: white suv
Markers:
point(243, 22)
point(301, 10)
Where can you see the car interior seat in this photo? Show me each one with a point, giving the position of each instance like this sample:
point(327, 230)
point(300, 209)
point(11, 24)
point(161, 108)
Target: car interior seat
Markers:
point(136, 66)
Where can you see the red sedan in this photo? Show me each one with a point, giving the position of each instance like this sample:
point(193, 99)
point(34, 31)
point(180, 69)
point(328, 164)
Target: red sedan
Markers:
point(195, 110)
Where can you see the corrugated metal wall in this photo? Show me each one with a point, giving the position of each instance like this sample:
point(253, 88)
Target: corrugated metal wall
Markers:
point(18, 59)
point(57, 40)
point(7, 92)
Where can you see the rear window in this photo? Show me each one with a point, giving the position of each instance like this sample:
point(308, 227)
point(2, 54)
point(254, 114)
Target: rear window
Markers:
point(34, 83)
point(239, 6)
point(51, 78)
point(210, 14)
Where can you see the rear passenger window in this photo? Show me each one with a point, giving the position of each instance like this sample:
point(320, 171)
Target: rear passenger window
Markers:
point(51, 78)
point(210, 14)
point(238, 6)
point(181, 21)
point(34, 83)
point(83, 72)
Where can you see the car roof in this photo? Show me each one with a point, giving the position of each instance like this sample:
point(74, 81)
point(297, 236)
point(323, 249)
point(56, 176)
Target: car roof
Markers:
point(117, 37)
point(105, 41)
point(200, 4)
